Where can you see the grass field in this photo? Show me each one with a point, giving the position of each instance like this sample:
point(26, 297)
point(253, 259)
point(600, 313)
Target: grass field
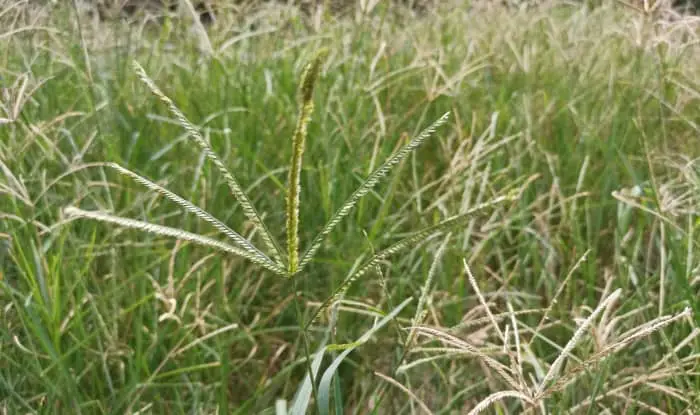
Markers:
point(567, 280)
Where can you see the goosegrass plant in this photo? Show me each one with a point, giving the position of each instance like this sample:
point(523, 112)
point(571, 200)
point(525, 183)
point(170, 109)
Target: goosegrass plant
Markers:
point(290, 265)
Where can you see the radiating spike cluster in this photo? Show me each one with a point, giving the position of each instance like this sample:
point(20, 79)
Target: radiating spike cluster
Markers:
point(220, 226)
point(231, 181)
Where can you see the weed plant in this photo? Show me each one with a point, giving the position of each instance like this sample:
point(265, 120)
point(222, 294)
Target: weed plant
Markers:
point(564, 278)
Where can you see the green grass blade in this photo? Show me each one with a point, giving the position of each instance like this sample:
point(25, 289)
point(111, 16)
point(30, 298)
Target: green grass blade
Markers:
point(338, 398)
point(308, 80)
point(238, 193)
point(172, 232)
point(368, 184)
point(325, 384)
point(303, 396)
point(220, 226)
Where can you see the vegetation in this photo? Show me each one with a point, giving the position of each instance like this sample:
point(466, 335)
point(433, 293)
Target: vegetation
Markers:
point(477, 210)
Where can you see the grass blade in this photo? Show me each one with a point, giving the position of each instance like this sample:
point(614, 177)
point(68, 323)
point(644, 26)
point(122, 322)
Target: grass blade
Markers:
point(404, 389)
point(303, 395)
point(172, 232)
point(238, 193)
point(325, 384)
point(368, 184)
